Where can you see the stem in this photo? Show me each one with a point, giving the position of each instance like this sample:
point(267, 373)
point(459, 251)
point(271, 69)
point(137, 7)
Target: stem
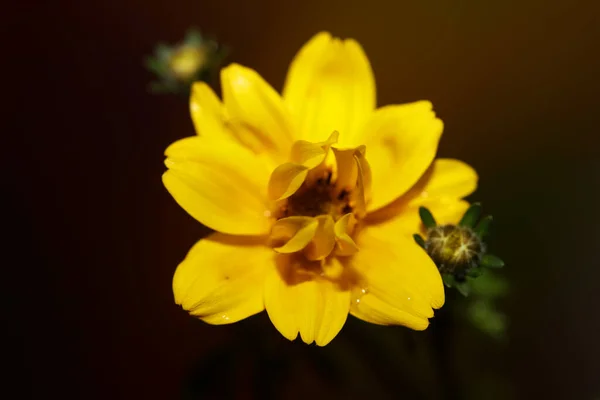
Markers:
point(442, 338)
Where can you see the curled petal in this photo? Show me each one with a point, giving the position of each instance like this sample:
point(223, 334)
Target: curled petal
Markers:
point(347, 169)
point(286, 180)
point(365, 170)
point(312, 154)
point(324, 240)
point(353, 172)
point(297, 232)
point(343, 228)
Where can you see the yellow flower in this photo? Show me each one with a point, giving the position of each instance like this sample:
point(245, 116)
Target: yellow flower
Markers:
point(314, 197)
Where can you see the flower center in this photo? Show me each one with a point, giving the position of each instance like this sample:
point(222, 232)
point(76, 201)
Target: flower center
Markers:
point(319, 196)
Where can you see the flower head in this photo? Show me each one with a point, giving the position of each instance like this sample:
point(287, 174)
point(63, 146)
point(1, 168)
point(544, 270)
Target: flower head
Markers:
point(178, 66)
point(458, 251)
point(314, 197)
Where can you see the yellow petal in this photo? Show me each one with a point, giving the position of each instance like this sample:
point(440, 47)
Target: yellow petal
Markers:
point(401, 284)
point(253, 103)
point(347, 170)
point(312, 154)
point(343, 227)
point(365, 172)
point(441, 186)
point(448, 178)
point(329, 86)
point(285, 180)
point(323, 241)
point(408, 222)
point(358, 195)
point(304, 303)
point(222, 278)
point(222, 185)
point(296, 232)
point(185, 149)
point(353, 172)
point(212, 119)
point(401, 143)
point(207, 112)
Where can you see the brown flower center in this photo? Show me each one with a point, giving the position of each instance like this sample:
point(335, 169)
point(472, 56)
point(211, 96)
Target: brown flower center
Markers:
point(318, 198)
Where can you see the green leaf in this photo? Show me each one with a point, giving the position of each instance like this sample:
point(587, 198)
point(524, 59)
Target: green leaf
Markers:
point(471, 216)
point(419, 239)
point(490, 261)
point(426, 217)
point(483, 227)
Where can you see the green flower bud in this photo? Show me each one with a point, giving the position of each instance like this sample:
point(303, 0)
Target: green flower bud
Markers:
point(458, 250)
point(454, 249)
point(178, 66)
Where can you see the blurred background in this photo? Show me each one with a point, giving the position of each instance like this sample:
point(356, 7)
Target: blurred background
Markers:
point(94, 238)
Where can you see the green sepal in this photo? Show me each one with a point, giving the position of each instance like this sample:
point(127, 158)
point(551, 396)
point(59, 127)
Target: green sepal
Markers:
point(483, 227)
point(426, 217)
point(475, 272)
point(490, 261)
point(194, 38)
point(463, 287)
point(154, 65)
point(471, 216)
point(419, 239)
point(490, 285)
point(486, 318)
point(163, 51)
point(448, 280)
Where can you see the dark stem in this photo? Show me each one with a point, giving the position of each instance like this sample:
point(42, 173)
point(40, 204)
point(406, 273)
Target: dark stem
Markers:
point(442, 339)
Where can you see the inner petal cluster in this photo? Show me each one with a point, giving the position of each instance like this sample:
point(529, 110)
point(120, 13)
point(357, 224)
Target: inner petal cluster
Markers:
point(319, 197)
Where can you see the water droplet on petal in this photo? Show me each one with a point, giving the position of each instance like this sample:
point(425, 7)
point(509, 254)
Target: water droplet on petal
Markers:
point(358, 295)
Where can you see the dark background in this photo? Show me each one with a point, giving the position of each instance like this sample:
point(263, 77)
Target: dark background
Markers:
point(94, 239)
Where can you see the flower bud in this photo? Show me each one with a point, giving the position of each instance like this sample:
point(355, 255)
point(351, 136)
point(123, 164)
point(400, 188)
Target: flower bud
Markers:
point(458, 250)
